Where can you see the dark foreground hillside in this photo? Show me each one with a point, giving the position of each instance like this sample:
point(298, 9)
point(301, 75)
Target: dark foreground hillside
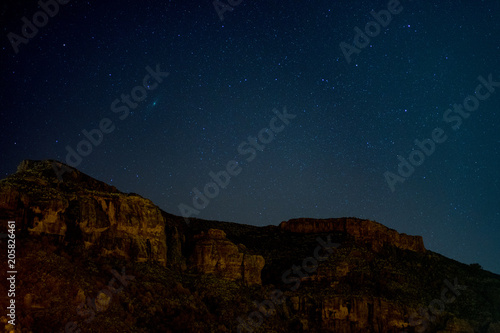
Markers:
point(93, 259)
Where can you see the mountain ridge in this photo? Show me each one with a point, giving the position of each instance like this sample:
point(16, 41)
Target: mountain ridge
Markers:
point(376, 279)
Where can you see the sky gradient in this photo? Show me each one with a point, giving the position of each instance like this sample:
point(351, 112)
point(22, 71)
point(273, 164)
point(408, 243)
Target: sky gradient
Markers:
point(350, 117)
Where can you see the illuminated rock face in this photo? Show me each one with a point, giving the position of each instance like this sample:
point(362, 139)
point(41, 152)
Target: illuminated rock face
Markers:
point(357, 289)
point(215, 254)
point(372, 313)
point(370, 232)
point(82, 209)
point(353, 314)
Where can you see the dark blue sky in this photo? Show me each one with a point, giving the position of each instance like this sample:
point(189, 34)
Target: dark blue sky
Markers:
point(225, 78)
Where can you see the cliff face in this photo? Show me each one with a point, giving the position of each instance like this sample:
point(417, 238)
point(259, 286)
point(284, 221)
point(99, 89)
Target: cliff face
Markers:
point(82, 209)
point(215, 254)
point(366, 231)
point(354, 314)
point(351, 288)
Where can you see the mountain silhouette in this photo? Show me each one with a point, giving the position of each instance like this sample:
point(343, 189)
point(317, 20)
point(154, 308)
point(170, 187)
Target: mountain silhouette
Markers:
point(92, 258)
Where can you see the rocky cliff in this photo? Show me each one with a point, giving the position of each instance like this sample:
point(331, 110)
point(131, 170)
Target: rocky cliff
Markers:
point(78, 233)
point(341, 315)
point(82, 210)
point(366, 231)
point(215, 254)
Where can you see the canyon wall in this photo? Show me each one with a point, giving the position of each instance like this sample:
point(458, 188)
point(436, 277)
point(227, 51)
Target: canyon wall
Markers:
point(215, 254)
point(366, 231)
point(82, 209)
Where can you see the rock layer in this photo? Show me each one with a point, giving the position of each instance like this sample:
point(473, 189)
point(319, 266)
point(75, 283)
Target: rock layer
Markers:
point(357, 289)
point(370, 232)
point(82, 209)
point(215, 254)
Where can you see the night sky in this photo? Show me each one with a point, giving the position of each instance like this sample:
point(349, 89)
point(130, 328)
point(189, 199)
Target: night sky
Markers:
point(343, 120)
